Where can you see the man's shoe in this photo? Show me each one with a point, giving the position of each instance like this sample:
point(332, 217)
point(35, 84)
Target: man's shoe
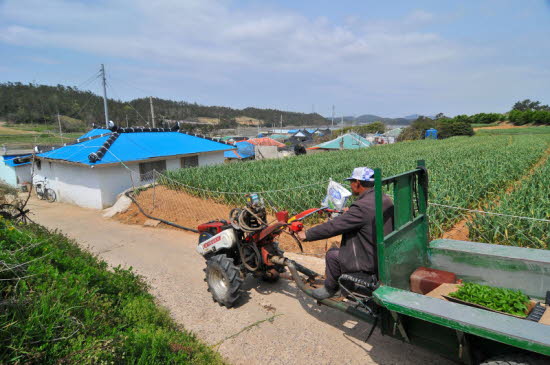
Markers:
point(322, 293)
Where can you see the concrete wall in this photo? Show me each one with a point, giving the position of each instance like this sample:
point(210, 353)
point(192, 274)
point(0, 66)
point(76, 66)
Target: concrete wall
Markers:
point(23, 173)
point(264, 152)
point(79, 185)
point(211, 158)
point(7, 173)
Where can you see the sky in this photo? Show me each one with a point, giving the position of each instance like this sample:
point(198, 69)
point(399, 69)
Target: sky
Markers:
point(364, 57)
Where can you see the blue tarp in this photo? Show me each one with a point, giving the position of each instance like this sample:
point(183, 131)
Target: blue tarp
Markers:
point(136, 146)
point(8, 160)
point(431, 133)
point(244, 150)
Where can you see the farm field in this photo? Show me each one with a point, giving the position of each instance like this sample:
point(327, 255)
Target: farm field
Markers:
point(531, 199)
point(28, 135)
point(464, 172)
point(514, 131)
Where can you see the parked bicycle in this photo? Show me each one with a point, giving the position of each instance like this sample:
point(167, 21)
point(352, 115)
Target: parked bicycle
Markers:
point(43, 192)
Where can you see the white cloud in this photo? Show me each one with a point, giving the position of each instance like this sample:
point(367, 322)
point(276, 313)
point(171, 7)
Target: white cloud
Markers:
point(214, 34)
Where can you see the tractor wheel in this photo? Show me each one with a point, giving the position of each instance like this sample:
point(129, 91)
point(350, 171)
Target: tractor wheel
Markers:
point(515, 359)
point(223, 278)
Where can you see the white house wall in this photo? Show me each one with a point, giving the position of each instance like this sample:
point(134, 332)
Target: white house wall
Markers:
point(23, 173)
point(7, 173)
point(211, 158)
point(72, 184)
point(98, 187)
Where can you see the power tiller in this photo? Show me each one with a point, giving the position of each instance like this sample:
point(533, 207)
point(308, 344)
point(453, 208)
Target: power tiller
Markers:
point(247, 244)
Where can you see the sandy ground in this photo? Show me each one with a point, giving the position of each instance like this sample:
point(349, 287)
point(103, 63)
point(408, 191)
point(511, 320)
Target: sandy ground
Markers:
point(273, 323)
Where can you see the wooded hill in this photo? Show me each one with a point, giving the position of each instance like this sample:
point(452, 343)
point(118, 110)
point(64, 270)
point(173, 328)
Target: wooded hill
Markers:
point(33, 103)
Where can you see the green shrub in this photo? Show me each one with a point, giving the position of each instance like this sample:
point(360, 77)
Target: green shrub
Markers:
point(69, 308)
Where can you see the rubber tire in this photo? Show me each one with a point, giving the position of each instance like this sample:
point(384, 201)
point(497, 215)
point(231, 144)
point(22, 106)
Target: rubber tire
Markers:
point(515, 359)
point(232, 278)
point(50, 195)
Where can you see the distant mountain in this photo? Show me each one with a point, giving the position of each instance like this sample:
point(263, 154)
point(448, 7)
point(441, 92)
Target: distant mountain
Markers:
point(369, 118)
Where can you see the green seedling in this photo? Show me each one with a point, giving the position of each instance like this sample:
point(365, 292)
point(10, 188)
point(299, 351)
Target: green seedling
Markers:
point(503, 300)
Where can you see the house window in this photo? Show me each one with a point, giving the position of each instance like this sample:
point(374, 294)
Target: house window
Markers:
point(146, 168)
point(189, 161)
point(38, 164)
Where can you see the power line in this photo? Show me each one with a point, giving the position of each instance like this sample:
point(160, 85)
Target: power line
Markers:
point(88, 80)
point(126, 103)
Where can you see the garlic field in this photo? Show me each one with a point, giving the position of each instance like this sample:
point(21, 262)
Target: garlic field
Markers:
point(467, 172)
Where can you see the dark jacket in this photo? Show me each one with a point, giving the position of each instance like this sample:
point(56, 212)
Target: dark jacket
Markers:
point(358, 230)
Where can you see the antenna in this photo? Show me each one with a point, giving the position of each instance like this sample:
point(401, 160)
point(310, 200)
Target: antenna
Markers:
point(105, 97)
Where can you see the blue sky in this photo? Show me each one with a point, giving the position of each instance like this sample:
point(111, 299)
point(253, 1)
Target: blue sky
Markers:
point(386, 58)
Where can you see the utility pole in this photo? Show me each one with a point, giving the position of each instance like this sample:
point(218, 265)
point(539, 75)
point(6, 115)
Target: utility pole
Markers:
point(152, 111)
point(105, 97)
point(281, 121)
point(126, 114)
point(333, 116)
point(60, 132)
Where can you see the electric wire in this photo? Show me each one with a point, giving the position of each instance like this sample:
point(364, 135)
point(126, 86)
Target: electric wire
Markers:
point(110, 86)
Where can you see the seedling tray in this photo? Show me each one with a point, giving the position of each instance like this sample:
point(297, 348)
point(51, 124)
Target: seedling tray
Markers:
point(443, 291)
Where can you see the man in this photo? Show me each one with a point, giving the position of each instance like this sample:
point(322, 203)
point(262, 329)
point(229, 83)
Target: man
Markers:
point(357, 251)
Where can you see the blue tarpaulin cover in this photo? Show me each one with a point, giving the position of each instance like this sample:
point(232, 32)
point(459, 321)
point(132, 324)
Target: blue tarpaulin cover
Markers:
point(136, 146)
point(8, 160)
point(244, 150)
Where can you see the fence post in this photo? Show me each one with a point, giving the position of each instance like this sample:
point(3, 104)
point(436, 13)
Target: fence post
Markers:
point(154, 187)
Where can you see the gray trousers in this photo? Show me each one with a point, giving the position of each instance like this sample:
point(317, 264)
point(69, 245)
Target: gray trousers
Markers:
point(332, 270)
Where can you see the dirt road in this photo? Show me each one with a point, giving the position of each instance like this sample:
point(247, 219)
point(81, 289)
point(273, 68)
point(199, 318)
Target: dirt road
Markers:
point(273, 324)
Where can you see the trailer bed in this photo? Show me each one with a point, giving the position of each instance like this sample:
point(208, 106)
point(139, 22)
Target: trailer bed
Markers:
point(513, 331)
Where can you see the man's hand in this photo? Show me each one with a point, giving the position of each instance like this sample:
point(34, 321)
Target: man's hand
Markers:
point(301, 235)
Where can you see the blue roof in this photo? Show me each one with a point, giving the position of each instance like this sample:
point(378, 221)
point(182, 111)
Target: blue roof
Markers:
point(8, 160)
point(94, 132)
point(311, 130)
point(292, 130)
point(135, 147)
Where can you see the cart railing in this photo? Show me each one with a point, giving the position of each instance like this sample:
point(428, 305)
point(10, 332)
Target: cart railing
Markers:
point(405, 249)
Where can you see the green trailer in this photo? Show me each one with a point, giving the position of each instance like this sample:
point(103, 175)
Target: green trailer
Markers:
point(456, 331)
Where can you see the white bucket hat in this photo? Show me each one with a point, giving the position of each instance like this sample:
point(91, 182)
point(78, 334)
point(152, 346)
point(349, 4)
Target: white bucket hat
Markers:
point(362, 174)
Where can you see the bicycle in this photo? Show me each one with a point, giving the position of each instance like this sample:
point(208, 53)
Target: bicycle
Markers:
point(43, 192)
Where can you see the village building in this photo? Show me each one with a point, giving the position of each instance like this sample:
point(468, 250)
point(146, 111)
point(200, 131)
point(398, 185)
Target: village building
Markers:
point(13, 173)
point(104, 163)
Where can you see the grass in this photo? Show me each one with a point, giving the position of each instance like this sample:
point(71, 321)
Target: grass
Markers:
point(514, 131)
point(69, 308)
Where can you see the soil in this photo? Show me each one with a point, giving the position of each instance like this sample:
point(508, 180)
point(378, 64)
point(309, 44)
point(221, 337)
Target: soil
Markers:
point(190, 211)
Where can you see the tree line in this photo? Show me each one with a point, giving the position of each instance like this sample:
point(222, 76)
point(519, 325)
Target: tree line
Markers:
point(33, 103)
